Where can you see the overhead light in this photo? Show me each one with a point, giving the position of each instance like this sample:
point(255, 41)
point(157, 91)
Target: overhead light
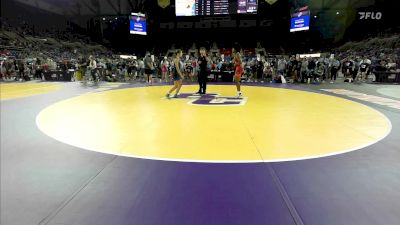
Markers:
point(104, 18)
point(337, 13)
point(315, 16)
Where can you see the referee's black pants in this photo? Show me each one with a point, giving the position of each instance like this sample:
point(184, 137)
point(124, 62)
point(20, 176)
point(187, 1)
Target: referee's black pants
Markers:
point(202, 83)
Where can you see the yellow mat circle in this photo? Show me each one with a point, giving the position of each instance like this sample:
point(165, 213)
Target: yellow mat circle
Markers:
point(19, 90)
point(273, 125)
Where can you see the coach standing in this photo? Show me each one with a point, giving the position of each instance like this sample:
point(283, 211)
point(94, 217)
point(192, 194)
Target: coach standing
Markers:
point(148, 68)
point(203, 74)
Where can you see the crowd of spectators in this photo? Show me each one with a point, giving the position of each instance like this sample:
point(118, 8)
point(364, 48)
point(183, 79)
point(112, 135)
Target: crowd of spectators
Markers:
point(25, 57)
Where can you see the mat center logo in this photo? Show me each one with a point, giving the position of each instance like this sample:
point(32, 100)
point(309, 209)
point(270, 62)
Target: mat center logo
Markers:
point(212, 99)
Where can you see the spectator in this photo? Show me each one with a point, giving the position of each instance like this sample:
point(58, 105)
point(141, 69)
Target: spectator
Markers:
point(335, 65)
point(148, 68)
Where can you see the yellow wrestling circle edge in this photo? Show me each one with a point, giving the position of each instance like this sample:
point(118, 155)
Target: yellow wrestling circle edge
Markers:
point(389, 128)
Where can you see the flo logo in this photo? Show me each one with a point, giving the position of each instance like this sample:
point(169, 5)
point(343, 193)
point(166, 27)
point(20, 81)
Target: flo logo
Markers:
point(212, 99)
point(370, 15)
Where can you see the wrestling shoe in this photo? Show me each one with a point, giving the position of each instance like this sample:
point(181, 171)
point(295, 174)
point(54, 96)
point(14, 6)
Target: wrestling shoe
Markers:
point(239, 95)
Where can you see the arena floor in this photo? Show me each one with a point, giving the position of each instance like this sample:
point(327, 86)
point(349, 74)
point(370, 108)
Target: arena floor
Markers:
point(122, 153)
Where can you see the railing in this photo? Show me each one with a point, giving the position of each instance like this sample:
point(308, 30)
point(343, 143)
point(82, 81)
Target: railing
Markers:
point(383, 76)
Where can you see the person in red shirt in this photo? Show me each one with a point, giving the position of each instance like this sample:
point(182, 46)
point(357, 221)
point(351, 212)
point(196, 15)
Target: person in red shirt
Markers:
point(238, 70)
point(45, 67)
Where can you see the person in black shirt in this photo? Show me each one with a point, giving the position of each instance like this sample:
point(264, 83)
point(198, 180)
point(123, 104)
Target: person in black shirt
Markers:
point(311, 70)
point(21, 70)
point(312, 64)
point(297, 70)
point(202, 77)
point(347, 67)
point(38, 71)
point(290, 67)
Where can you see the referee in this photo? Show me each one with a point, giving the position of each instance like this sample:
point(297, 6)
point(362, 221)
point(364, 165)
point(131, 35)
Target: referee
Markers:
point(203, 72)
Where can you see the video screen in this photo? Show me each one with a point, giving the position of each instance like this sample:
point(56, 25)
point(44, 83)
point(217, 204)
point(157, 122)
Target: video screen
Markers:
point(137, 23)
point(300, 19)
point(215, 7)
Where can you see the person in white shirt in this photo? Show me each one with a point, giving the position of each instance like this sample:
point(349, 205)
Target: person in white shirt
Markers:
point(92, 63)
point(141, 68)
point(92, 67)
point(282, 66)
point(335, 65)
point(3, 70)
point(364, 68)
point(304, 69)
point(164, 69)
